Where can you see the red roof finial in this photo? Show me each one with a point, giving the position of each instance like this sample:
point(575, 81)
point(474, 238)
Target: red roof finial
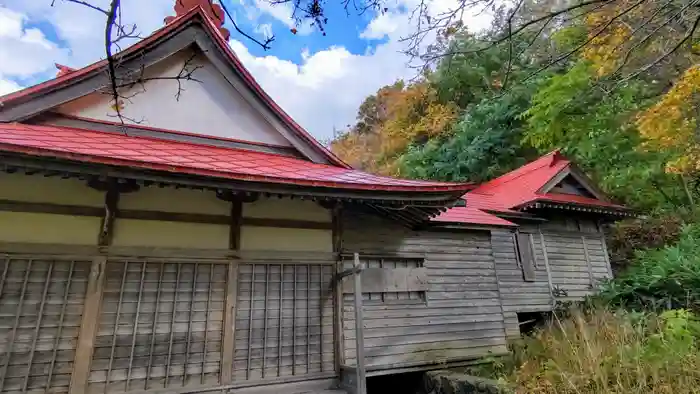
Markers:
point(63, 70)
point(556, 157)
point(213, 11)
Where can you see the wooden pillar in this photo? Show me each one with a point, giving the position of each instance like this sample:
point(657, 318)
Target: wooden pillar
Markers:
point(359, 329)
point(93, 298)
point(338, 337)
point(546, 266)
point(228, 345)
point(588, 261)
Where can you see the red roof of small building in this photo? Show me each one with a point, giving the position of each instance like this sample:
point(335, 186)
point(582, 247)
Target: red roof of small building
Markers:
point(196, 159)
point(512, 191)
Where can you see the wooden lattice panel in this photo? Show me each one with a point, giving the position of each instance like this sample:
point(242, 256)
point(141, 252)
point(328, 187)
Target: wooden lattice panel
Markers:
point(284, 321)
point(41, 304)
point(160, 326)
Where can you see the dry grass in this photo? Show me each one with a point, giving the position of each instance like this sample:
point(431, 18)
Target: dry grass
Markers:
point(610, 352)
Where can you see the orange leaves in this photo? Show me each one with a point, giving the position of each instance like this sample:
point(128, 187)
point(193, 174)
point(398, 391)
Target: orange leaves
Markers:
point(390, 121)
point(671, 123)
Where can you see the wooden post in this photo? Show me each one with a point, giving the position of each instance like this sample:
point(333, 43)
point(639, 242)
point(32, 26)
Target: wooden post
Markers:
point(106, 229)
point(338, 337)
point(588, 261)
point(93, 297)
point(359, 329)
point(606, 256)
point(88, 327)
point(546, 266)
point(228, 344)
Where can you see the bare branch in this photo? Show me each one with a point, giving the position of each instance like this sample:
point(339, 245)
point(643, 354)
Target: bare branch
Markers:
point(86, 4)
point(264, 44)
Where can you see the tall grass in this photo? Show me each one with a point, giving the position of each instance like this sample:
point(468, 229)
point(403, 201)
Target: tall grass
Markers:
point(602, 351)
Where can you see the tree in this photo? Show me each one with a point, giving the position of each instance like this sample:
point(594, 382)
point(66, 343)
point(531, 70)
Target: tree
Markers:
point(485, 143)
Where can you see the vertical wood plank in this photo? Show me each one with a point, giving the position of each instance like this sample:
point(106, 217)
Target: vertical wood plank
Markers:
point(359, 329)
point(546, 266)
point(606, 256)
point(229, 324)
point(338, 340)
point(234, 240)
point(498, 287)
point(228, 344)
point(588, 261)
point(88, 326)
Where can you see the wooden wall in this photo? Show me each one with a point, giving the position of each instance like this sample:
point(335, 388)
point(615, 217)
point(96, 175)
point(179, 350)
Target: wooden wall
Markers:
point(157, 305)
point(517, 295)
point(457, 318)
point(570, 260)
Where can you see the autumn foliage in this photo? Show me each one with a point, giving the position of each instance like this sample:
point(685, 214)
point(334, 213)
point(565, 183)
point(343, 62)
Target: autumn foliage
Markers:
point(389, 122)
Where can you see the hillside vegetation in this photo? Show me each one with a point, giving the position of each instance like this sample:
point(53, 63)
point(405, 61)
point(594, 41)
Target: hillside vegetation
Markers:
point(619, 94)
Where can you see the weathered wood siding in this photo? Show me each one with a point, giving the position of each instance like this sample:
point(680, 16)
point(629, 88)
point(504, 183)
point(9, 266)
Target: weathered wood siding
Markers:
point(517, 295)
point(574, 269)
point(458, 317)
point(41, 303)
point(284, 321)
point(577, 262)
point(160, 326)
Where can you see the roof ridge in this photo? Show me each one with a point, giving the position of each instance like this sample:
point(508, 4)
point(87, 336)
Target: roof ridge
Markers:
point(523, 170)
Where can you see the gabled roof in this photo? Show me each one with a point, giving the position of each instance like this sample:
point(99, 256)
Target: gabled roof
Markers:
point(195, 15)
point(529, 187)
point(89, 146)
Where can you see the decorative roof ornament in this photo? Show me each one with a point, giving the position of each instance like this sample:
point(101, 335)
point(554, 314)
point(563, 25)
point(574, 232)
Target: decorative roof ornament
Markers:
point(213, 11)
point(63, 70)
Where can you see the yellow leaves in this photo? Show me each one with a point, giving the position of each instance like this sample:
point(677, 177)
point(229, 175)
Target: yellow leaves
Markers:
point(408, 114)
point(671, 123)
point(607, 41)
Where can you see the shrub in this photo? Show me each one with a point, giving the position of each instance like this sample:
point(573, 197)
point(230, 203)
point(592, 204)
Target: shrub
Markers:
point(661, 279)
point(610, 352)
point(631, 235)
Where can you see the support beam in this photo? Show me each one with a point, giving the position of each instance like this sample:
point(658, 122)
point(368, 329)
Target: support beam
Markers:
point(338, 338)
point(228, 344)
point(107, 225)
point(359, 329)
point(546, 266)
point(88, 327)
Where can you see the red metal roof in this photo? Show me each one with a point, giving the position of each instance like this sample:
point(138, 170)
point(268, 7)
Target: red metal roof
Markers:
point(507, 193)
point(199, 14)
point(196, 159)
point(471, 215)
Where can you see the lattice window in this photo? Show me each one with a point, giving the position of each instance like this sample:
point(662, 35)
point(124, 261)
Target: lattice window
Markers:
point(160, 326)
point(284, 321)
point(41, 305)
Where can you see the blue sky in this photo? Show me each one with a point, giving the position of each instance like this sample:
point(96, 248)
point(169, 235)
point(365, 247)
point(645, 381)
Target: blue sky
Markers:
point(319, 80)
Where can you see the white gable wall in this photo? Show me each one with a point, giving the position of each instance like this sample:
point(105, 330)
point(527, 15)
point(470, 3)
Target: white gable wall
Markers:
point(211, 106)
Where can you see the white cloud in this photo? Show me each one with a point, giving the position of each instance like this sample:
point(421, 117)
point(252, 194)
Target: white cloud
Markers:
point(24, 51)
point(8, 86)
point(324, 92)
point(264, 29)
point(80, 28)
point(283, 13)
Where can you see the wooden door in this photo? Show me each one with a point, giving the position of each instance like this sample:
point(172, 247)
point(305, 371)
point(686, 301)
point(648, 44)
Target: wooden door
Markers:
point(284, 321)
point(160, 326)
point(41, 304)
